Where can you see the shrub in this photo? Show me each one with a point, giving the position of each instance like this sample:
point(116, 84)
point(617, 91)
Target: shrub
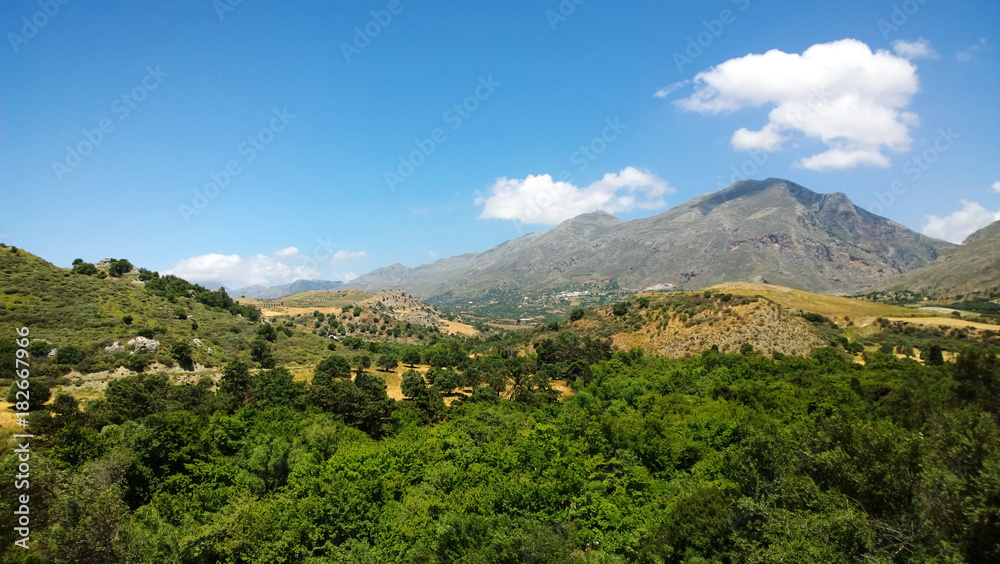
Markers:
point(69, 354)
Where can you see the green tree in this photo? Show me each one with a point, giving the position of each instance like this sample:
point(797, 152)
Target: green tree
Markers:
point(235, 384)
point(413, 384)
point(276, 388)
point(386, 362)
point(85, 268)
point(260, 351)
point(576, 314)
point(447, 381)
point(69, 354)
point(932, 356)
point(411, 356)
point(127, 319)
point(35, 394)
point(39, 349)
point(266, 330)
point(620, 309)
point(118, 267)
point(333, 366)
point(181, 352)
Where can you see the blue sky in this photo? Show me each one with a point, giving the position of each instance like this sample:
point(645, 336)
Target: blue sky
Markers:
point(261, 142)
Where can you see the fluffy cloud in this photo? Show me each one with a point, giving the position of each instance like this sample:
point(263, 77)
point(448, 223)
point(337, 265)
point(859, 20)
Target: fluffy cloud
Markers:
point(918, 49)
point(540, 199)
point(996, 187)
point(283, 266)
point(959, 225)
point(839, 93)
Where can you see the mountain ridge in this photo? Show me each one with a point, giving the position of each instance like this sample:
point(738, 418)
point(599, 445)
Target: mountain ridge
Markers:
point(772, 229)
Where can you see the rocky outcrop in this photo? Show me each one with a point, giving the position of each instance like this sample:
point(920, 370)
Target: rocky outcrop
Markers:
point(143, 345)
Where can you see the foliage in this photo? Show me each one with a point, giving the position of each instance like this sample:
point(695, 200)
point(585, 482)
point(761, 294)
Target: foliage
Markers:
point(713, 458)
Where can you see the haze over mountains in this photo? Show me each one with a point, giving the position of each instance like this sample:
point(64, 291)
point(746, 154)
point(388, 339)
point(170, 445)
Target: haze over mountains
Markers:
point(270, 292)
point(773, 229)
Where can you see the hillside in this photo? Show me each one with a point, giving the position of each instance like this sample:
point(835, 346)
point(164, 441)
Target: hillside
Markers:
point(974, 267)
point(97, 315)
point(771, 230)
point(391, 314)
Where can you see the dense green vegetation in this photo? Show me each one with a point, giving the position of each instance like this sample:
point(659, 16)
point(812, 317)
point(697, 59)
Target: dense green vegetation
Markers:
point(715, 458)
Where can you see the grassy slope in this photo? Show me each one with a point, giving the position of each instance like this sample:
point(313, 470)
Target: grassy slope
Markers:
point(830, 306)
point(64, 308)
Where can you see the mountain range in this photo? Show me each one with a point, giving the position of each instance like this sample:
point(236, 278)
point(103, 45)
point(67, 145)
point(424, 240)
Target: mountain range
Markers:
point(772, 230)
point(271, 292)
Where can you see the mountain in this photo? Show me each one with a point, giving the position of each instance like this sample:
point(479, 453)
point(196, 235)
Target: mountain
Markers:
point(772, 230)
point(271, 292)
point(972, 267)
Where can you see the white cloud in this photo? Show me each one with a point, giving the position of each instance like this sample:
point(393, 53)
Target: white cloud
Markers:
point(918, 49)
point(971, 53)
point(345, 255)
point(540, 199)
point(668, 90)
point(996, 187)
point(839, 93)
point(959, 225)
point(284, 266)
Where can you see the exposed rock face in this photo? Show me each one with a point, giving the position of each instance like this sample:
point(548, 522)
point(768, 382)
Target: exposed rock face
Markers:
point(197, 342)
point(772, 229)
point(143, 345)
point(114, 347)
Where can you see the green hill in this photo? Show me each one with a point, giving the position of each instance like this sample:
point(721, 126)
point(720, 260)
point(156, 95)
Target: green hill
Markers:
point(68, 311)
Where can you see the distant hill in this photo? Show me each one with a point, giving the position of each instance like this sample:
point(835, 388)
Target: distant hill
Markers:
point(973, 267)
point(772, 230)
point(391, 314)
point(271, 292)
